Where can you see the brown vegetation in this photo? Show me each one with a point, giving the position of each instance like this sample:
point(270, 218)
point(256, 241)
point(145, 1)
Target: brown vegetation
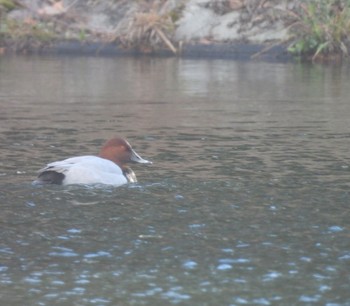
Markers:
point(150, 28)
point(317, 28)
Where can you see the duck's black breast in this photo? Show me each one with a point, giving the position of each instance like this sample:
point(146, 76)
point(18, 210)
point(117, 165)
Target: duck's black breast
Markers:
point(50, 177)
point(130, 175)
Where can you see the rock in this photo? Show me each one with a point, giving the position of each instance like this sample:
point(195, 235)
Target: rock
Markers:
point(201, 20)
point(196, 23)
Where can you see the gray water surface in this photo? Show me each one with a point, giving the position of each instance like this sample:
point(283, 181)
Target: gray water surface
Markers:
point(246, 203)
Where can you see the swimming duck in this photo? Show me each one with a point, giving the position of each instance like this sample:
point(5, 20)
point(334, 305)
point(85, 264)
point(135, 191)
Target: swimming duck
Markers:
point(109, 167)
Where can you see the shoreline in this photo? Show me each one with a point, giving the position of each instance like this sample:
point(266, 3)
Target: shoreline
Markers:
point(269, 30)
point(231, 51)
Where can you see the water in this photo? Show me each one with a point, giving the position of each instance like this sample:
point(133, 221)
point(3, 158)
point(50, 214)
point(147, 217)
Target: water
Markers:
point(247, 202)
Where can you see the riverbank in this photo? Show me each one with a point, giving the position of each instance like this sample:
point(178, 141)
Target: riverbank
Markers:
point(234, 51)
point(235, 29)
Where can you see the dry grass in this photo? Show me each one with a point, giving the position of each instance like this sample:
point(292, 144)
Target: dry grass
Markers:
point(149, 29)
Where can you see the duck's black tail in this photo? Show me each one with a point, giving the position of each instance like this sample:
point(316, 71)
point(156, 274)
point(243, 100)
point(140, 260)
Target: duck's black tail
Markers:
point(49, 177)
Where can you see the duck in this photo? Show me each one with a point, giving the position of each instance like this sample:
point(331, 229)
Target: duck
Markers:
point(107, 168)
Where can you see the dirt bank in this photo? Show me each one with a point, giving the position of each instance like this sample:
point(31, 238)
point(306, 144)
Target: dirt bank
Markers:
point(239, 29)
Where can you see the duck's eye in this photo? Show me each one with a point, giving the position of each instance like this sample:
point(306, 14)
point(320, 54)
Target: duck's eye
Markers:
point(124, 148)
